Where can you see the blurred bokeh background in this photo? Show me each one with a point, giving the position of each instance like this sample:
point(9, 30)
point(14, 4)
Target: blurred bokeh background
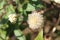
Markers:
point(16, 16)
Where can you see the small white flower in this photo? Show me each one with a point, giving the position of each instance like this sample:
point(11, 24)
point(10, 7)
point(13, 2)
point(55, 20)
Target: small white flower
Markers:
point(57, 1)
point(12, 18)
point(35, 20)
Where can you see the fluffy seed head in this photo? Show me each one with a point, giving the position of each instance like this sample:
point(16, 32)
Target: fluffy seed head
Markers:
point(35, 20)
point(12, 18)
point(57, 1)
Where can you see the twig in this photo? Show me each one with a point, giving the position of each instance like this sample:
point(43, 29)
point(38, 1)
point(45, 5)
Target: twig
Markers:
point(54, 28)
point(58, 20)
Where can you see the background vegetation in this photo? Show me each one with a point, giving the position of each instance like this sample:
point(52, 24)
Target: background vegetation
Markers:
point(20, 30)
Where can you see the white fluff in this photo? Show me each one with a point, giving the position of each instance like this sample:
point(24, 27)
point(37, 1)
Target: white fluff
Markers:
point(35, 20)
point(12, 18)
point(57, 1)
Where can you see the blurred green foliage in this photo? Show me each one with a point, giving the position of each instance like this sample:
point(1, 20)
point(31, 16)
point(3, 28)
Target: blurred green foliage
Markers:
point(40, 36)
point(19, 7)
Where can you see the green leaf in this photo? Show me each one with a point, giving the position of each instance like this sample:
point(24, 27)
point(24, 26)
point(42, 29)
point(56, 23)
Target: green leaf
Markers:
point(40, 6)
point(0, 38)
point(1, 11)
point(39, 36)
point(30, 7)
point(22, 38)
point(17, 32)
point(2, 3)
point(34, 0)
point(3, 26)
point(2, 34)
point(20, 9)
point(25, 13)
point(17, 1)
point(9, 10)
point(19, 35)
point(20, 19)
